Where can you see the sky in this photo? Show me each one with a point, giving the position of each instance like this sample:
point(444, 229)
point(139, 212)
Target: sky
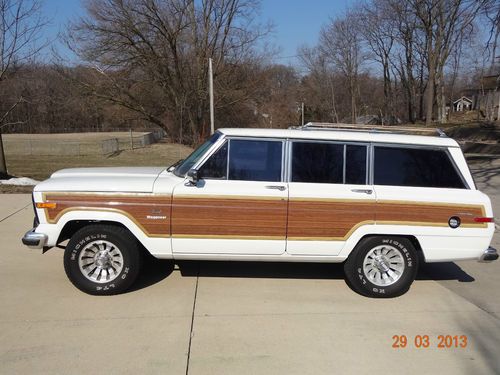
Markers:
point(296, 22)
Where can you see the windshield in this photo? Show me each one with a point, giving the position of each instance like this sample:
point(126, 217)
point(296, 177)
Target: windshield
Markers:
point(192, 159)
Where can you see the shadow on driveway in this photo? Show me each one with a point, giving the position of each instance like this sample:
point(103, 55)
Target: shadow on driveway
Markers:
point(156, 270)
point(430, 271)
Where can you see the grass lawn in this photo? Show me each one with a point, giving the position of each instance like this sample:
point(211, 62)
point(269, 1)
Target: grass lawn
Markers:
point(41, 167)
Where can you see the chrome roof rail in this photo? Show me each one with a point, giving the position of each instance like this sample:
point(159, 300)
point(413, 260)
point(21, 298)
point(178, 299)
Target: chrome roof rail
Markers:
point(394, 129)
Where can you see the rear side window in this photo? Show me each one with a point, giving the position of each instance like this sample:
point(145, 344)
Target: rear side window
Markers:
point(355, 164)
point(399, 166)
point(322, 162)
point(255, 160)
point(317, 162)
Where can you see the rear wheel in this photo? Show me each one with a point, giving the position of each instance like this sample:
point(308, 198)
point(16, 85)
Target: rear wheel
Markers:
point(102, 259)
point(382, 266)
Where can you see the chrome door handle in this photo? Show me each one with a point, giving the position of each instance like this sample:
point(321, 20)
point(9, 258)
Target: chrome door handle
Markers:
point(366, 191)
point(276, 187)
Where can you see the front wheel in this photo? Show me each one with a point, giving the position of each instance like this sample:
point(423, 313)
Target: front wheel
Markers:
point(382, 266)
point(102, 259)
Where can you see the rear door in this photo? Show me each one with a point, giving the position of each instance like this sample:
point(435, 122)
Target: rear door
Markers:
point(239, 206)
point(329, 195)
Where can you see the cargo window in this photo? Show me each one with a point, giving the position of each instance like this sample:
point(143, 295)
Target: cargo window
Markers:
point(255, 160)
point(419, 167)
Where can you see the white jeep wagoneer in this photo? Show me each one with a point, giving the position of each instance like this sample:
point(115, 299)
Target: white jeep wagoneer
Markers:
point(377, 200)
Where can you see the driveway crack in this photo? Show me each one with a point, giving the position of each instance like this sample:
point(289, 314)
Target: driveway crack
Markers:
point(15, 212)
point(192, 320)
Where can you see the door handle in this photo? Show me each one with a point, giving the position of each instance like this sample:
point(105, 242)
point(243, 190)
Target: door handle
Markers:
point(366, 191)
point(276, 187)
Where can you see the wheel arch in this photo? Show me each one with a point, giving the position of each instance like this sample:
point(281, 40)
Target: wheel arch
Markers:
point(72, 226)
point(412, 238)
point(69, 223)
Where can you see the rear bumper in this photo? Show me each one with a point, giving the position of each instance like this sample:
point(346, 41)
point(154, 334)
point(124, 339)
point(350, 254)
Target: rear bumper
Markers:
point(34, 240)
point(489, 255)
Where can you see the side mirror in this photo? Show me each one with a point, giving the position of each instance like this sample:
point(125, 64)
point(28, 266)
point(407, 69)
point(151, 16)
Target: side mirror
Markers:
point(192, 176)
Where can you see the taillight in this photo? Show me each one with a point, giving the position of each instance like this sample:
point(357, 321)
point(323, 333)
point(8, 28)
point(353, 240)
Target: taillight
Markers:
point(483, 219)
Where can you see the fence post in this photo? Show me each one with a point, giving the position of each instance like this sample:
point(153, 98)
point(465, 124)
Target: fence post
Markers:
point(131, 140)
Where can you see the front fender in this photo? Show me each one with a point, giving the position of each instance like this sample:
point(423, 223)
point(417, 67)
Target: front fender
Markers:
point(158, 246)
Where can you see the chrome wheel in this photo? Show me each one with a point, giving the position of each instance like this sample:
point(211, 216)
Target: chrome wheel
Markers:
point(383, 265)
point(100, 261)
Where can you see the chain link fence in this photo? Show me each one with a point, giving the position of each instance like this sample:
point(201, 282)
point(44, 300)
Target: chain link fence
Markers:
point(58, 145)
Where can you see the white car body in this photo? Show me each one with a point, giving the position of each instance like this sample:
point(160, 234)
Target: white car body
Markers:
point(151, 194)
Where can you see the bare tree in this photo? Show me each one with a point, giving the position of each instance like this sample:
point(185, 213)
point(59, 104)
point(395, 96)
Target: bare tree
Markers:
point(340, 43)
point(407, 58)
point(379, 32)
point(164, 46)
point(491, 13)
point(21, 23)
point(442, 22)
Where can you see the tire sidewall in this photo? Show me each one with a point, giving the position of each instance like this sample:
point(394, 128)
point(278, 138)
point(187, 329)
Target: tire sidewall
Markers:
point(409, 254)
point(78, 243)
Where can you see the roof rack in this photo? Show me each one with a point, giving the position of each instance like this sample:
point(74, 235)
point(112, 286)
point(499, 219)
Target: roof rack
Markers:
point(415, 130)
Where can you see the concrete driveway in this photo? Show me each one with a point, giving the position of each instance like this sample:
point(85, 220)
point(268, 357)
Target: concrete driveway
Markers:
point(240, 318)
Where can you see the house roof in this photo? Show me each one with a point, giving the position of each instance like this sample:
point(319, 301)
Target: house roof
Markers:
point(463, 98)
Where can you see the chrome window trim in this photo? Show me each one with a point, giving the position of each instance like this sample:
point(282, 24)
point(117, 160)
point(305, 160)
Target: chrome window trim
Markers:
point(344, 164)
point(370, 161)
point(215, 147)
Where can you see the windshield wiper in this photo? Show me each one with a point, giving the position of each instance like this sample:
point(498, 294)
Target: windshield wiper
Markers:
point(173, 166)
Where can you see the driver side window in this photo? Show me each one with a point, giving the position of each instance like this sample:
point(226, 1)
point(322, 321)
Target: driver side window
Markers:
point(216, 166)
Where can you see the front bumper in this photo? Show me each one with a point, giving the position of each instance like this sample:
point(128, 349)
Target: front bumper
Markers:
point(489, 255)
point(34, 240)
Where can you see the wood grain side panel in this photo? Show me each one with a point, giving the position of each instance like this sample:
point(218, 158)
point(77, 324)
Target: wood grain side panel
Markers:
point(438, 214)
point(219, 217)
point(150, 213)
point(248, 217)
point(328, 219)
point(336, 220)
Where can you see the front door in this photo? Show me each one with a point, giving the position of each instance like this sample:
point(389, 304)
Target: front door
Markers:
point(329, 196)
point(239, 205)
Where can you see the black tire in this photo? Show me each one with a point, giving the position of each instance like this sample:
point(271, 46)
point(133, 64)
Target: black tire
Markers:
point(366, 285)
point(125, 266)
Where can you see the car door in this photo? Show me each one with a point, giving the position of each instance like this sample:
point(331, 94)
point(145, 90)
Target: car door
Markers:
point(239, 204)
point(329, 195)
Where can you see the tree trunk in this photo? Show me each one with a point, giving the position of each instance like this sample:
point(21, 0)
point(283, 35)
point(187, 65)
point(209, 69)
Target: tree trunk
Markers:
point(429, 95)
point(353, 109)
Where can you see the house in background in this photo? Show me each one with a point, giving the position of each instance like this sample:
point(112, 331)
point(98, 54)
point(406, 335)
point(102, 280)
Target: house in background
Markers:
point(486, 98)
point(462, 104)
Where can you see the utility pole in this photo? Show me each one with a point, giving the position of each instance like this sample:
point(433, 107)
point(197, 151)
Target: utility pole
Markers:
point(211, 89)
